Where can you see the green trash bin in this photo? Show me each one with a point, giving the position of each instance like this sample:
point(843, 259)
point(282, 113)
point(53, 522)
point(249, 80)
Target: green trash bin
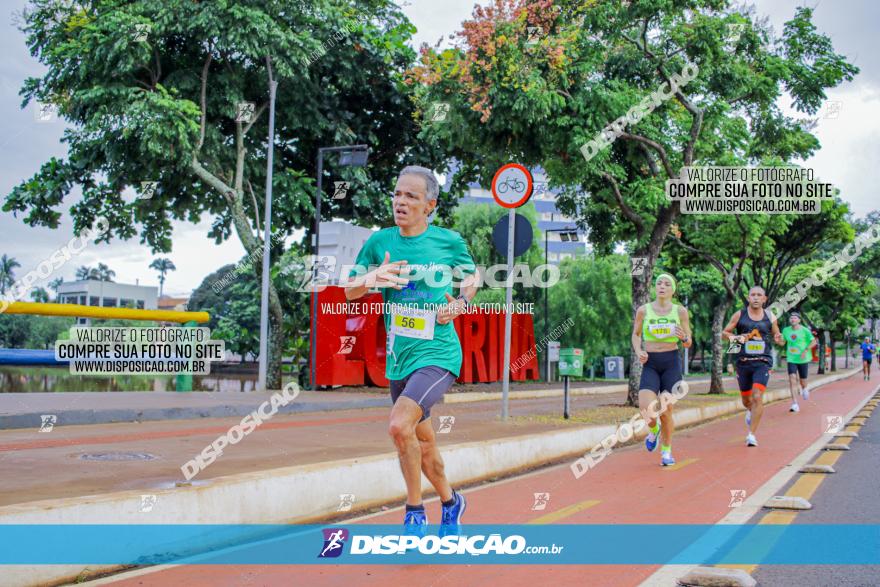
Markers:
point(571, 362)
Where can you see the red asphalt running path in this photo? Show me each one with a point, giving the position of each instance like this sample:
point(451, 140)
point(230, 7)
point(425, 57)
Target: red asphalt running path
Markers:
point(628, 487)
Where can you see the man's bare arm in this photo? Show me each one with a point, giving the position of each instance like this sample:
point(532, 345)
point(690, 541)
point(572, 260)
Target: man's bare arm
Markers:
point(727, 333)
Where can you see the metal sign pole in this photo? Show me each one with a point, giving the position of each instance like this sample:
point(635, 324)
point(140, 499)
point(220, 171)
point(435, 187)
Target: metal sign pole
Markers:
point(567, 403)
point(511, 221)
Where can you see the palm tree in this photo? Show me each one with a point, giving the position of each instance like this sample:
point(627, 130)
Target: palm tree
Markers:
point(84, 272)
point(104, 273)
point(7, 267)
point(40, 295)
point(163, 266)
point(55, 284)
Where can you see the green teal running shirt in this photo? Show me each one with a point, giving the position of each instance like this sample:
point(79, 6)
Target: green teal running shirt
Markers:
point(796, 342)
point(434, 258)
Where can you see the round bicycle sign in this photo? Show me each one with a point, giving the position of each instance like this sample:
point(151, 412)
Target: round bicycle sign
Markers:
point(512, 185)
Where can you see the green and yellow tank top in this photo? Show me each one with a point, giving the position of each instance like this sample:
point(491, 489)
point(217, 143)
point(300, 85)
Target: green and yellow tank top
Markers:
point(656, 328)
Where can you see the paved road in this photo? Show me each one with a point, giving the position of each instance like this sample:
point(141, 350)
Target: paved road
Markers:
point(850, 496)
point(628, 487)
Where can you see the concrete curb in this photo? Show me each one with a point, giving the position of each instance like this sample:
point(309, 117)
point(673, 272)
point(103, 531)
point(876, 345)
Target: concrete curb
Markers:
point(717, 577)
point(482, 396)
point(300, 494)
point(788, 502)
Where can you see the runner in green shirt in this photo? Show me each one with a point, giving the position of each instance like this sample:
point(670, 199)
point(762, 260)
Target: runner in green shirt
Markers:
point(414, 266)
point(799, 341)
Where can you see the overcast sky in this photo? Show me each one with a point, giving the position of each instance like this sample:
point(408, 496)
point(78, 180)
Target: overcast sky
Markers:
point(847, 131)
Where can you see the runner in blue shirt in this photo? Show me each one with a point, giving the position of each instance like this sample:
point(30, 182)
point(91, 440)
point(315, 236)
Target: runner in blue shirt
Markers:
point(868, 352)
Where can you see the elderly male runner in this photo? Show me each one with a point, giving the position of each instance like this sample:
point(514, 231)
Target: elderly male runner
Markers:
point(756, 330)
point(416, 262)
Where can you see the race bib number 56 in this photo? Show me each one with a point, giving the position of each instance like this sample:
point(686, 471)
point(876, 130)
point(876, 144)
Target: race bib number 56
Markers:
point(413, 323)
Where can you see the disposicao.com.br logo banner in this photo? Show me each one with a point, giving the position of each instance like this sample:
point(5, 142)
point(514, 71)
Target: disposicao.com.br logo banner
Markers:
point(701, 544)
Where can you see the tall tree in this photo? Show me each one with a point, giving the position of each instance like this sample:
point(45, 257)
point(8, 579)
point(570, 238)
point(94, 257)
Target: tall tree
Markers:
point(163, 266)
point(100, 273)
point(7, 272)
point(234, 308)
point(170, 97)
point(534, 81)
point(55, 284)
point(590, 290)
point(104, 273)
point(39, 294)
point(753, 249)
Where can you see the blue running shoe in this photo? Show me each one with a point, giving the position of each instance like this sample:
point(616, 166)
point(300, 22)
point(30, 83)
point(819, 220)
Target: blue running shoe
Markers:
point(749, 419)
point(666, 459)
point(415, 523)
point(652, 444)
point(451, 521)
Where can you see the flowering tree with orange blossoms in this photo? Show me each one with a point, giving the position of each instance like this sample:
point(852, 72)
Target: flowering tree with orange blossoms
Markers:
point(536, 81)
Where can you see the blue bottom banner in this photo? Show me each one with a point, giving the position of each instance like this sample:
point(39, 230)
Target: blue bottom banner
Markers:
point(266, 544)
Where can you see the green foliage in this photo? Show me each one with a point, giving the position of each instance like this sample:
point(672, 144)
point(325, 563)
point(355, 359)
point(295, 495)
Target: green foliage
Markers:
point(475, 222)
point(163, 266)
point(839, 305)
point(24, 331)
point(45, 330)
point(134, 107)
point(594, 292)
point(7, 272)
point(39, 294)
point(15, 330)
point(539, 103)
point(100, 273)
point(234, 308)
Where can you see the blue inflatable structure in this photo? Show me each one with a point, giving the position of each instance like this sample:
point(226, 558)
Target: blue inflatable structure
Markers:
point(29, 357)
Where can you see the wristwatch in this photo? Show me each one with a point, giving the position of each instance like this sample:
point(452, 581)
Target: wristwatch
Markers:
point(463, 299)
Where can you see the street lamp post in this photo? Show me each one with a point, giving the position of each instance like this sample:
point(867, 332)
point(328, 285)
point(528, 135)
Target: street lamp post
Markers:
point(573, 237)
point(263, 369)
point(351, 156)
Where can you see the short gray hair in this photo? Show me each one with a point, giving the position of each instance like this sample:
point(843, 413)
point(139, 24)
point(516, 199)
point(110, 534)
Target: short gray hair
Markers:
point(433, 188)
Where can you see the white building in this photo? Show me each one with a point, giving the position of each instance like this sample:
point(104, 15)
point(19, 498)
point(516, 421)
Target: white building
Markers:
point(343, 241)
point(91, 292)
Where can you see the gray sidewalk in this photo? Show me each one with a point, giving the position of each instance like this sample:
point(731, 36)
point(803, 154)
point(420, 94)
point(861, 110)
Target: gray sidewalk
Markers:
point(24, 410)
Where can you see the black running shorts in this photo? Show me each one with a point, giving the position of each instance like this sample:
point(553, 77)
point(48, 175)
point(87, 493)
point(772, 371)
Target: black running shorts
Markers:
point(802, 369)
point(661, 372)
point(424, 386)
point(749, 373)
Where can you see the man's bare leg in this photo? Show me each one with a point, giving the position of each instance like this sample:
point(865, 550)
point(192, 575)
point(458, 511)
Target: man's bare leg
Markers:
point(402, 428)
point(757, 404)
point(793, 381)
point(432, 462)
